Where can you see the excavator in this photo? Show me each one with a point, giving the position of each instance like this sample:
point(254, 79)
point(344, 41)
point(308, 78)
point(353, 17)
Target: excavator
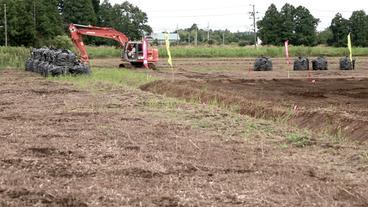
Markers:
point(132, 53)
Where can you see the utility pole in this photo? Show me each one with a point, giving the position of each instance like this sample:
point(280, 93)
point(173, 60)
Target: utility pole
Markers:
point(177, 34)
point(208, 31)
point(223, 39)
point(253, 15)
point(6, 27)
point(189, 37)
point(196, 36)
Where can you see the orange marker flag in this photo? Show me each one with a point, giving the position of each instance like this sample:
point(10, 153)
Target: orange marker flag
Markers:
point(287, 51)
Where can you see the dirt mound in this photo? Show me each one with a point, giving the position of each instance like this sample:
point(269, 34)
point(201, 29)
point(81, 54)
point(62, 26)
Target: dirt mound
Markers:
point(336, 106)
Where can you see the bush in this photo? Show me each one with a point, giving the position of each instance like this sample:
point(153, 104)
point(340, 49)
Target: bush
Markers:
point(61, 41)
point(242, 43)
point(211, 42)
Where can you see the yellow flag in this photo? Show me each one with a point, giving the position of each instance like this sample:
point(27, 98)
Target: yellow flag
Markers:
point(350, 50)
point(167, 41)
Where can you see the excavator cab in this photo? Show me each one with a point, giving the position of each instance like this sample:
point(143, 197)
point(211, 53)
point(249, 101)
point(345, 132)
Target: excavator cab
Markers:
point(133, 53)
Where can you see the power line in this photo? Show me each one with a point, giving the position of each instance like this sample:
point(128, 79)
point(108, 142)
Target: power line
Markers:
point(205, 15)
point(331, 11)
point(198, 9)
point(213, 27)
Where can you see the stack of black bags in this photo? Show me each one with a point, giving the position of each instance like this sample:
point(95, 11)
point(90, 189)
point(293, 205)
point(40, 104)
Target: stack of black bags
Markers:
point(262, 64)
point(54, 62)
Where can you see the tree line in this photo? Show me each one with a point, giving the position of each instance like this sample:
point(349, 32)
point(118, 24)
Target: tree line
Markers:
point(195, 35)
point(42, 22)
point(39, 22)
point(299, 27)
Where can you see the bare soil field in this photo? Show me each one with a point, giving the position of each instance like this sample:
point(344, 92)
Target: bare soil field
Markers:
point(333, 101)
point(116, 146)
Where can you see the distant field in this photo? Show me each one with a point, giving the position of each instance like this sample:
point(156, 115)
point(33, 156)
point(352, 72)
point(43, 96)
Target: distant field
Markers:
point(234, 51)
point(15, 56)
point(218, 51)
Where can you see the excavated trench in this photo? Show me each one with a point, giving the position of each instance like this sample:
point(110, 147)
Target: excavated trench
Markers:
point(335, 106)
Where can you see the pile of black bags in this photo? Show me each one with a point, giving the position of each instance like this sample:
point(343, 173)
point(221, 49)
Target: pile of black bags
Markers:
point(320, 63)
point(262, 64)
point(301, 63)
point(346, 64)
point(54, 62)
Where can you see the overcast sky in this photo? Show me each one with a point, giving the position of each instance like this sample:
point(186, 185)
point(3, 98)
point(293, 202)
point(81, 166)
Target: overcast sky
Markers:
point(165, 15)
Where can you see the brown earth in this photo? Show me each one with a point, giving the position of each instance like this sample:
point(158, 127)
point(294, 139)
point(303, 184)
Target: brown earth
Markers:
point(64, 146)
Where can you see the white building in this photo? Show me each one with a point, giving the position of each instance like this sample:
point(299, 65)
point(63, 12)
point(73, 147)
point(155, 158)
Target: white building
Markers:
point(160, 37)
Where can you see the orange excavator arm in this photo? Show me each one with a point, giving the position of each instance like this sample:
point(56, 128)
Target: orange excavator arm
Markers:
point(77, 30)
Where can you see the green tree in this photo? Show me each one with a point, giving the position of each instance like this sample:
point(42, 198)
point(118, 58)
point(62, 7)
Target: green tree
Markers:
point(305, 27)
point(32, 23)
point(78, 12)
point(126, 18)
point(287, 23)
point(48, 21)
point(269, 28)
point(216, 36)
point(96, 6)
point(324, 36)
point(20, 22)
point(340, 29)
point(359, 28)
point(105, 15)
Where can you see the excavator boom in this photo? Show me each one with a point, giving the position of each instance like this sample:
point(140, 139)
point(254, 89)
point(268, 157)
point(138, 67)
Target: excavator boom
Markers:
point(77, 30)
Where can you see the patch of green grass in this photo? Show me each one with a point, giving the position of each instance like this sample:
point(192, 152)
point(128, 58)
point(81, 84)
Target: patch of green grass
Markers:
point(112, 77)
point(103, 52)
point(251, 127)
point(285, 118)
point(14, 57)
point(167, 103)
point(201, 124)
point(298, 139)
point(284, 146)
point(333, 133)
